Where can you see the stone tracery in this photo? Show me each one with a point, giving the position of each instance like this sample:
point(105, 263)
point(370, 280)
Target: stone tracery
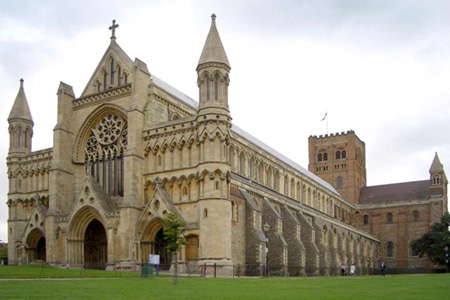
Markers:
point(104, 153)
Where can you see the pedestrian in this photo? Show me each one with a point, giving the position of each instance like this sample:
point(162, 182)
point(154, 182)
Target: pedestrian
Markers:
point(383, 269)
point(352, 270)
point(342, 270)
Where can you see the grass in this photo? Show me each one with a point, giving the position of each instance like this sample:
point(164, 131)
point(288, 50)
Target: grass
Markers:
point(44, 271)
point(410, 287)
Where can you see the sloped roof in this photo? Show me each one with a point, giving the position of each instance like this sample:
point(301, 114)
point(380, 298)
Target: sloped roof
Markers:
point(20, 109)
point(396, 192)
point(213, 50)
point(236, 130)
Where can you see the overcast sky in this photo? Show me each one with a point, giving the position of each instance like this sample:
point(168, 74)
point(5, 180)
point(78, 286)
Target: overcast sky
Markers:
point(380, 68)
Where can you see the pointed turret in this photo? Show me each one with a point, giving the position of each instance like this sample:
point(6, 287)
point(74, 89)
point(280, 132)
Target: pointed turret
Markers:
point(437, 174)
point(213, 74)
point(20, 124)
point(436, 165)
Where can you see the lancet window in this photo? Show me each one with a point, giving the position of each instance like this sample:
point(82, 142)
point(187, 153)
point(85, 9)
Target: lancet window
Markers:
point(104, 153)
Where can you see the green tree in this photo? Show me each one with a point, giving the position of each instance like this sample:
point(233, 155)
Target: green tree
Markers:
point(435, 243)
point(174, 238)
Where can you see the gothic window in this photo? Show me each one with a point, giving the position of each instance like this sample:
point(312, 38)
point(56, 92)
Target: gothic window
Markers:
point(216, 88)
point(344, 154)
point(436, 180)
point(112, 71)
point(416, 216)
point(338, 154)
point(105, 80)
point(366, 219)
point(339, 182)
point(125, 77)
point(104, 153)
point(208, 88)
point(325, 156)
point(413, 252)
point(390, 249)
point(389, 218)
point(19, 140)
point(119, 78)
point(319, 157)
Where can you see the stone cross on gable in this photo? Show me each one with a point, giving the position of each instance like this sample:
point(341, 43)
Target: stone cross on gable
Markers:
point(113, 29)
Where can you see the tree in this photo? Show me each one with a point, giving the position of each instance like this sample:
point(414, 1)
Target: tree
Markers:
point(435, 243)
point(174, 238)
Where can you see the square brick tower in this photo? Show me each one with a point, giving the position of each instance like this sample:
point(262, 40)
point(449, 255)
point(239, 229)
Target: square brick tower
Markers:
point(339, 159)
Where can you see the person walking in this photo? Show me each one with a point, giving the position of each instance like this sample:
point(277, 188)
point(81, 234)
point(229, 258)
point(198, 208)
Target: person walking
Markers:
point(342, 270)
point(383, 269)
point(352, 270)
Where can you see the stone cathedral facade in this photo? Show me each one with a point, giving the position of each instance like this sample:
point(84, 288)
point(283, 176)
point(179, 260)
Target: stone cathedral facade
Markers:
point(131, 148)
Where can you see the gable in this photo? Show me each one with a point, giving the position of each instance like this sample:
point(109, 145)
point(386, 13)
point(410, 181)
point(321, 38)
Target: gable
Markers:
point(113, 70)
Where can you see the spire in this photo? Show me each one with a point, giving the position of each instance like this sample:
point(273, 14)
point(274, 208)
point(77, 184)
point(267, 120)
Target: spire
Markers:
point(213, 51)
point(20, 109)
point(436, 166)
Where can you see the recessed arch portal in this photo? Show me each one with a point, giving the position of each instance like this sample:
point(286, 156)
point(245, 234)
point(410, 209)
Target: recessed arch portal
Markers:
point(36, 246)
point(153, 242)
point(95, 246)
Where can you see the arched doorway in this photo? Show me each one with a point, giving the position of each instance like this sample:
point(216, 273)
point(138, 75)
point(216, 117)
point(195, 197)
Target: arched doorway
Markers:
point(153, 242)
point(192, 247)
point(95, 246)
point(160, 248)
point(40, 249)
point(36, 246)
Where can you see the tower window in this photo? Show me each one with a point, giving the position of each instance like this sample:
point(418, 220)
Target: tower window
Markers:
point(415, 216)
point(366, 219)
point(436, 180)
point(389, 218)
point(390, 249)
point(319, 157)
point(216, 89)
point(325, 156)
point(339, 182)
point(344, 154)
point(207, 89)
point(338, 154)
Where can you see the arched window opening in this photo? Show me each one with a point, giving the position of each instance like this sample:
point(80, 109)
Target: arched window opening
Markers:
point(366, 219)
point(105, 80)
point(119, 78)
point(208, 88)
point(389, 218)
point(416, 216)
point(125, 78)
point(436, 180)
point(216, 88)
point(205, 213)
point(339, 182)
point(390, 249)
point(319, 157)
point(344, 154)
point(104, 153)
point(338, 154)
point(112, 71)
point(19, 138)
point(325, 156)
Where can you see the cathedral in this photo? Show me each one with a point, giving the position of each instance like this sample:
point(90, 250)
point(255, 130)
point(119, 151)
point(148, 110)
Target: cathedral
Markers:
point(132, 148)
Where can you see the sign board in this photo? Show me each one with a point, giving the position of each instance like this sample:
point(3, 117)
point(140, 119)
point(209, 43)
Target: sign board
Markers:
point(153, 259)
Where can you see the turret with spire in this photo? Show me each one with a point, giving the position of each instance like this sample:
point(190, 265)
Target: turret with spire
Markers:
point(438, 180)
point(213, 74)
point(20, 124)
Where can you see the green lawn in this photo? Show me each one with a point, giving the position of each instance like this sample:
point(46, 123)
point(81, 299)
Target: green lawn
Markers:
point(410, 287)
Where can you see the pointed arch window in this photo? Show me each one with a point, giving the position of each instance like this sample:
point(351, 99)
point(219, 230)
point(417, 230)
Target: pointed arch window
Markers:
point(319, 157)
point(390, 249)
point(104, 152)
point(208, 88)
point(105, 80)
point(119, 78)
point(338, 154)
point(216, 88)
point(389, 218)
point(344, 154)
point(19, 137)
point(366, 219)
point(112, 71)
